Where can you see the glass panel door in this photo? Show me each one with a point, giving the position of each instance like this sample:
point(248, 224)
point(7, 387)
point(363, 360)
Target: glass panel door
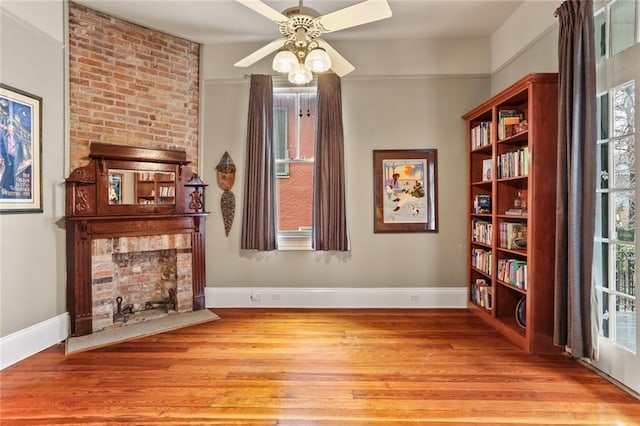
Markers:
point(616, 242)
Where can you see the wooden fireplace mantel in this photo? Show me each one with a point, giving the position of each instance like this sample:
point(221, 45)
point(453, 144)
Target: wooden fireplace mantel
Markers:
point(91, 215)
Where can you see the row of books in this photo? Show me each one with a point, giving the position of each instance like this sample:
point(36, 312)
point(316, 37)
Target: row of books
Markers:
point(481, 135)
point(513, 164)
point(481, 260)
point(513, 235)
point(166, 191)
point(513, 271)
point(507, 119)
point(482, 203)
point(151, 176)
point(481, 293)
point(481, 231)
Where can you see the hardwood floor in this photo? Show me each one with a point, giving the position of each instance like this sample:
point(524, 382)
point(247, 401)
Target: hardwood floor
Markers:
point(329, 367)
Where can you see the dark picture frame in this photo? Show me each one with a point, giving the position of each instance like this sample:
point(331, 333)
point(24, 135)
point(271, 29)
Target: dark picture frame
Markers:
point(20, 151)
point(405, 190)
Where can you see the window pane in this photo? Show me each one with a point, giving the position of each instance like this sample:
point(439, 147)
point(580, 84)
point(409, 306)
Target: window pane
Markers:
point(625, 215)
point(624, 162)
point(624, 110)
point(625, 268)
point(604, 314)
point(626, 323)
point(603, 116)
point(600, 36)
point(295, 198)
point(280, 127)
point(603, 165)
point(600, 260)
point(602, 215)
point(623, 25)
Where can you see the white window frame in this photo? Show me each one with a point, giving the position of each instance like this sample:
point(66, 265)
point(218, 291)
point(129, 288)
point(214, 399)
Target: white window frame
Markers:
point(299, 240)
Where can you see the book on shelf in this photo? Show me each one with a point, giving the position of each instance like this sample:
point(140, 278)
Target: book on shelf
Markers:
point(516, 212)
point(513, 164)
point(513, 236)
point(481, 260)
point(487, 170)
point(481, 231)
point(482, 203)
point(513, 272)
point(481, 135)
point(481, 293)
point(507, 119)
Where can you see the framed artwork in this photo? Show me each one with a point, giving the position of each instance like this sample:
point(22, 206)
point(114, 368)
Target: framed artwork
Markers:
point(404, 190)
point(115, 188)
point(20, 151)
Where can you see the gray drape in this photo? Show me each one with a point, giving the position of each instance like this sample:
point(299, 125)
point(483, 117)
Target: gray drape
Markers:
point(575, 207)
point(259, 222)
point(329, 212)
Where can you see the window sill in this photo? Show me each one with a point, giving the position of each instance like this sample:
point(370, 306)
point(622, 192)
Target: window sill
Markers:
point(294, 242)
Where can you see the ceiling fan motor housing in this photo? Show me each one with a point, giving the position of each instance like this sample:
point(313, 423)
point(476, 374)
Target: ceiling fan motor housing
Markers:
point(301, 17)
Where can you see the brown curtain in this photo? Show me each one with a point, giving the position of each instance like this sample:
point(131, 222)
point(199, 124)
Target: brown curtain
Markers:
point(259, 223)
point(329, 214)
point(575, 208)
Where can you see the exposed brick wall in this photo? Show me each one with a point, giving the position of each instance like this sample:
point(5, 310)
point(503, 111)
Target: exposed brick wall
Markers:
point(130, 85)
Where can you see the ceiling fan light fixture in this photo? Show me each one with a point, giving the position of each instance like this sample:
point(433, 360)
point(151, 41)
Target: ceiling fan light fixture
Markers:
point(318, 60)
point(285, 61)
point(300, 75)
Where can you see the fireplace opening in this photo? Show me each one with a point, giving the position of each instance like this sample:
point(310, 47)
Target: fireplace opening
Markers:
point(143, 282)
point(138, 279)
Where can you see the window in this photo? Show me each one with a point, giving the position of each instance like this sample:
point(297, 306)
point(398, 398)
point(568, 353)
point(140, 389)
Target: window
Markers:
point(623, 25)
point(294, 125)
point(615, 242)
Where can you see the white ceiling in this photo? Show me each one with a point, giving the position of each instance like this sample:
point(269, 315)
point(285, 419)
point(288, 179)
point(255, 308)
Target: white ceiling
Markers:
point(226, 21)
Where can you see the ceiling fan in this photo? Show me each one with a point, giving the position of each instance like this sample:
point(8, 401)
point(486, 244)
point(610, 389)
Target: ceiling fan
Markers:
point(301, 50)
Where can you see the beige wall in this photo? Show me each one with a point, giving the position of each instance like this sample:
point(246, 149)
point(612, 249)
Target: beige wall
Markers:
point(540, 56)
point(32, 246)
point(391, 112)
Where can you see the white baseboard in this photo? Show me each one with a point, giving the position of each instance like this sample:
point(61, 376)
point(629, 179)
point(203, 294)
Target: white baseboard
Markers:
point(363, 298)
point(31, 340)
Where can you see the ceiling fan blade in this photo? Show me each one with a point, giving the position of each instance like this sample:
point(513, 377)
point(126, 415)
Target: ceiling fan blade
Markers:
point(339, 64)
point(358, 14)
point(261, 53)
point(264, 10)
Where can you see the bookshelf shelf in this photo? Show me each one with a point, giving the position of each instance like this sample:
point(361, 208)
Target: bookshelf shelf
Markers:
point(511, 287)
point(511, 169)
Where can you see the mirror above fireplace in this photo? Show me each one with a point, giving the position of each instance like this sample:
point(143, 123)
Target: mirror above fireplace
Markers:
point(130, 187)
point(129, 180)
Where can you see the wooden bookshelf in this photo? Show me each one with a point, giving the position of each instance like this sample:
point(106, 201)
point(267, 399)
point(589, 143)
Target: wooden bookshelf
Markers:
point(155, 188)
point(515, 132)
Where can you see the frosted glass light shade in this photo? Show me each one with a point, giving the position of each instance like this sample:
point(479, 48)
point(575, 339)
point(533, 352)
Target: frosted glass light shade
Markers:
point(284, 61)
point(300, 75)
point(318, 60)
